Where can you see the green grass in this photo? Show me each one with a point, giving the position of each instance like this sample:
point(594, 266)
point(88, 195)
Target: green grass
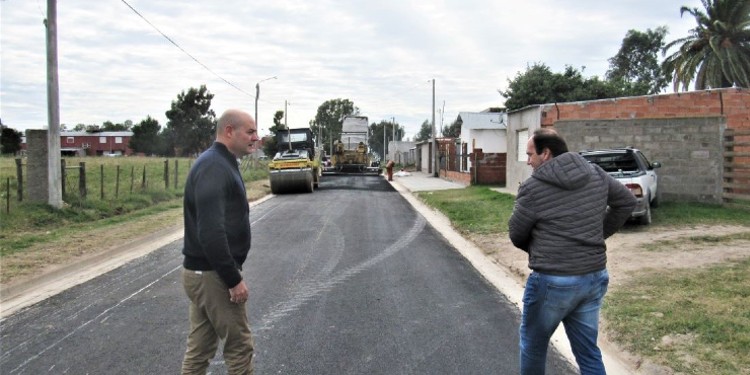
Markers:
point(704, 313)
point(28, 223)
point(475, 209)
point(670, 213)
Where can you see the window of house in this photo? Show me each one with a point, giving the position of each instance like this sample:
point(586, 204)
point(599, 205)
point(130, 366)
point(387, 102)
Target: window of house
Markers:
point(70, 140)
point(118, 139)
point(102, 139)
point(522, 137)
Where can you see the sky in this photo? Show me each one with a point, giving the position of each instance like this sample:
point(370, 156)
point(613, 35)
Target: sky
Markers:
point(116, 65)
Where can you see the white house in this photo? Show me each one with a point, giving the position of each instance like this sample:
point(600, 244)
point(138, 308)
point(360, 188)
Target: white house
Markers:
point(485, 130)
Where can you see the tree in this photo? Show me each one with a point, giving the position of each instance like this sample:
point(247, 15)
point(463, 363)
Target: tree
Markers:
point(10, 140)
point(146, 138)
point(375, 141)
point(329, 117)
point(192, 122)
point(716, 53)
point(269, 145)
point(453, 130)
point(425, 132)
point(539, 85)
point(109, 126)
point(636, 65)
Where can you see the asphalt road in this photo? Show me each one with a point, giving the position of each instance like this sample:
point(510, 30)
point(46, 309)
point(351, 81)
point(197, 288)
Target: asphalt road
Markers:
point(347, 280)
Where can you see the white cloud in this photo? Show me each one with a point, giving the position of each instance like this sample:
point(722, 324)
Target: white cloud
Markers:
point(113, 66)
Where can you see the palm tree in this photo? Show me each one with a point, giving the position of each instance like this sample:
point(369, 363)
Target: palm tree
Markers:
point(717, 51)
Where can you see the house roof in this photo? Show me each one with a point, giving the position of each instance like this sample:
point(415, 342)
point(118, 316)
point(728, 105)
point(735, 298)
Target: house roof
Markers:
point(96, 134)
point(483, 120)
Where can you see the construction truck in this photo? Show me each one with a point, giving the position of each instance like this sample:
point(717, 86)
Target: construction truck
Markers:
point(296, 165)
point(349, 153)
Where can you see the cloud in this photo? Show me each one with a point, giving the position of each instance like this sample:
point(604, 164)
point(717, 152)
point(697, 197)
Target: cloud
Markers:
point(113, 65)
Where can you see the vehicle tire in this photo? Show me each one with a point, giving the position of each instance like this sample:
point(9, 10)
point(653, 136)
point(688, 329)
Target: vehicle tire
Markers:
point(646, 218)
point(310, 183)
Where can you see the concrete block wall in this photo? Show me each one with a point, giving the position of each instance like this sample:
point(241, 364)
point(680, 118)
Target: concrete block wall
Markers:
point(37, 174)
point(689, 149)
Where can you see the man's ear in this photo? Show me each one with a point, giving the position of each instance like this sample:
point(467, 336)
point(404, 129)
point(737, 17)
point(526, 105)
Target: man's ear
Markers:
point(546, 154)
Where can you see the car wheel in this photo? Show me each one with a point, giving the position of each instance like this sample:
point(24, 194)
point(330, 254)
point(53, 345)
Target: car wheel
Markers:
point(646, 218)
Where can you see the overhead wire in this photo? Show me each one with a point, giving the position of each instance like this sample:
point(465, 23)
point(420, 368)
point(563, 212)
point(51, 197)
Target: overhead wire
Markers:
point(186, 52)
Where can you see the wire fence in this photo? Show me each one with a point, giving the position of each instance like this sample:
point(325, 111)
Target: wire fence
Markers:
point(97, 179)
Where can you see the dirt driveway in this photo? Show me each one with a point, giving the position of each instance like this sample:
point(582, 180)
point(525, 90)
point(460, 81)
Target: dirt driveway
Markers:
point(634, 251)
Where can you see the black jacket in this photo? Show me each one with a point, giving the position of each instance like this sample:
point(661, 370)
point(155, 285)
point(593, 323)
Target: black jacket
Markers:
point(561, 216)
point(217, 225)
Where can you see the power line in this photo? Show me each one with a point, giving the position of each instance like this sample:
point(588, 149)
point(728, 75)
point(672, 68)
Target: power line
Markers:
point(184, 51)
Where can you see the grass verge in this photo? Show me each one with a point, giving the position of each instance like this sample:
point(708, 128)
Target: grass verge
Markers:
point(695, 321)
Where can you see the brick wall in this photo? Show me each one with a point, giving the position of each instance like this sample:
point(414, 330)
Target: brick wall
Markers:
point(731, 104)
point(488, 168)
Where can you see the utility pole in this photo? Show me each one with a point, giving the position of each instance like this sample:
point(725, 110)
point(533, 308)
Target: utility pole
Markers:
point(434, 138)
point(257, 96)
point(385, 149)
point(54, 195)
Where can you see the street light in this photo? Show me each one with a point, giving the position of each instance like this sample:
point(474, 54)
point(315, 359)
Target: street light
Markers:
point(257, 94)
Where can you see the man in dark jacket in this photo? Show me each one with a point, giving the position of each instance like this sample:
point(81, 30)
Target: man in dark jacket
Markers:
point(563, 214)
point(217, 240)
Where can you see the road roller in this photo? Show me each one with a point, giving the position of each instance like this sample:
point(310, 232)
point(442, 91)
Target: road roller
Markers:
point(296, 166)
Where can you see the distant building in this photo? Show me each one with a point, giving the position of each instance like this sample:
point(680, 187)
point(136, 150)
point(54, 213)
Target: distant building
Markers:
point(114, 143)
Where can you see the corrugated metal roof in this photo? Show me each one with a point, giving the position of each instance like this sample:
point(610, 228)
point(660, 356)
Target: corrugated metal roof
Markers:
point(484, 120)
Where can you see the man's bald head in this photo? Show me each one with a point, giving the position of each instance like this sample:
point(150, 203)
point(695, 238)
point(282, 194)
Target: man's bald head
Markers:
point(233, 118)
point(237, 130)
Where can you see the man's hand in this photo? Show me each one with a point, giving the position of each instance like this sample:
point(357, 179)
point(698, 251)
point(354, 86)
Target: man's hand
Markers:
point(238, 294)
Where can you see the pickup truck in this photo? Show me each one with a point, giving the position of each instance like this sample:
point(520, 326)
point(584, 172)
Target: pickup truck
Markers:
point(629, 166)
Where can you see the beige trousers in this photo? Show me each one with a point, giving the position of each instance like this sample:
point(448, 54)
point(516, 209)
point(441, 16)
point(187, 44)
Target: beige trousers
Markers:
point(212, 318)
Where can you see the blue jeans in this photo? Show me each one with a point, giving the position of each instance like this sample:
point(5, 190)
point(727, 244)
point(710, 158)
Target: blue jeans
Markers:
point(573, 300)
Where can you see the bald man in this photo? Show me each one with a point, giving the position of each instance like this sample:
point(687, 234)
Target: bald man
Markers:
point(217, 240)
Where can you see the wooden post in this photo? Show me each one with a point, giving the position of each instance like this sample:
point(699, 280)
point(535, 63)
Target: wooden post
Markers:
point(63, 178)
point(166, 174)
point(19, 176)
point(176, 174)
point(132, 178)
point(82, 180)
point(101, 182)
point(143, 181)
point(7, 197)
point(117, 182)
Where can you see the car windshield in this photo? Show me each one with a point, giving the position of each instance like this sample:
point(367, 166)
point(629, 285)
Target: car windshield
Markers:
point(619, 162)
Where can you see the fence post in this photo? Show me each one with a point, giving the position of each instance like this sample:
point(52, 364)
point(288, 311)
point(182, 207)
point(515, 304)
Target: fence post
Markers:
point(166, 174)
point(117, 183)
point(63, 177)
point(176, 173)
point(143, 181)
point(101, 181)
point(132, 178)
point(82, 180)
point(19, 176)
point(7, 197)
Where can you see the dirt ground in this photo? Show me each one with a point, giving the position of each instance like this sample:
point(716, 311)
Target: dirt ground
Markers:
point(633, 251)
